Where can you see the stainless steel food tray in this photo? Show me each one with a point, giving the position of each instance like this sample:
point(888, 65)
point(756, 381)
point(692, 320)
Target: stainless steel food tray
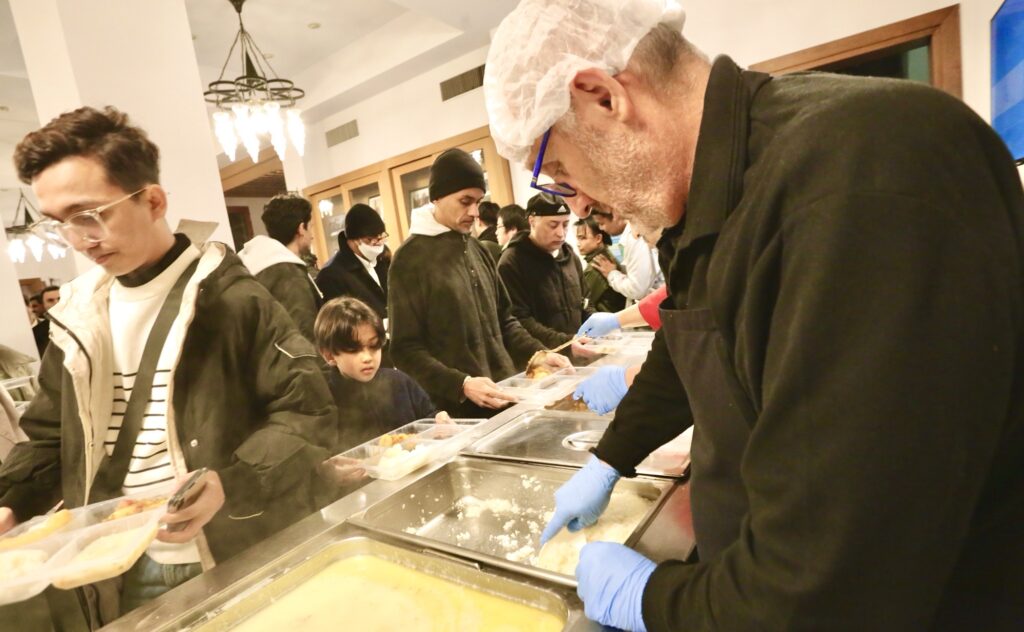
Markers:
point(248, 597)
point(433, 511)
point(562, 438)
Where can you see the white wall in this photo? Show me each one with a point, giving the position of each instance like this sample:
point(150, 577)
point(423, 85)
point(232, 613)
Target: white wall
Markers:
point(255, 211)
point(407, 116)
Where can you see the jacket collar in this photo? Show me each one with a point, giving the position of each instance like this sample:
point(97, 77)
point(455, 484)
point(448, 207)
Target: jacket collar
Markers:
point(261, 252)
point(721, 156)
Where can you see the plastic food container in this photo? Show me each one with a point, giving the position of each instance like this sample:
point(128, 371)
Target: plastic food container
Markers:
point(540, 390)
point(14, 588)
point(106, 550)
point(85, 525)
point(405, 449)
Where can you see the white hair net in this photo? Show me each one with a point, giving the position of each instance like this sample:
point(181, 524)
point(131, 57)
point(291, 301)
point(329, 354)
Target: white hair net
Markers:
point(541, 45)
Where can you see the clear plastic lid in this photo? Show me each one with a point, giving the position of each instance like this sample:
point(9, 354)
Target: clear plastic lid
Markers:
point(405, 449)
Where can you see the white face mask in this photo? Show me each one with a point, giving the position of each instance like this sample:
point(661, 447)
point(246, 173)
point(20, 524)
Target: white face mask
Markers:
point(370, 253)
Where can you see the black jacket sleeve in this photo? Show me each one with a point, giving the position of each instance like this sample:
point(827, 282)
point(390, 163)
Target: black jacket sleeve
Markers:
point(520, 344)
point(30, 478)
point(885, 383)
point(654, 411)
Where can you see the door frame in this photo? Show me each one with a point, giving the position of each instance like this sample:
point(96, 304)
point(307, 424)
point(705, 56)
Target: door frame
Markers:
point(941, 28)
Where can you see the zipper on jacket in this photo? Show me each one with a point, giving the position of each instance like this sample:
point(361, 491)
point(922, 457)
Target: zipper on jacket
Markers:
point(87, 436)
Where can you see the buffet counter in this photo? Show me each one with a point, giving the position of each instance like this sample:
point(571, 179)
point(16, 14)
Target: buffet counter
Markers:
point(422, 522)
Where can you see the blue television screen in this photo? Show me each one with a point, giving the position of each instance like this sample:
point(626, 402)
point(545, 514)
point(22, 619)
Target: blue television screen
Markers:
point(1008, 75)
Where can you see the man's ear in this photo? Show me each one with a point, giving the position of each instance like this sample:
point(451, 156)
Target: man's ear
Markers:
point(156, 199)
point(596, 95)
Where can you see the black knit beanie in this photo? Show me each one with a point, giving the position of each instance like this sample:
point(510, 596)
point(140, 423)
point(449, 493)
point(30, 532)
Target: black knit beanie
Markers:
point(362, 221)
point(455, 170)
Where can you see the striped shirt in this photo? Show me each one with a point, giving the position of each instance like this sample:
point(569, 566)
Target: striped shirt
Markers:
point(133, 310)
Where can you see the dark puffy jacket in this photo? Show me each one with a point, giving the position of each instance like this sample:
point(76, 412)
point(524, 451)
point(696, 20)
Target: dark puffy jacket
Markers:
point(599, 294)
point(290, 284)
point(345, 275)
point(451, 317)
point(249, 401)
point(546, 291)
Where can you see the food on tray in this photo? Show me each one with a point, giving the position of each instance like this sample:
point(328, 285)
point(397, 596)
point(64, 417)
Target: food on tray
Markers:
point(569, 404)
point(397, 461)
point(389, 440)
point(562, 553)
point(15, 564)
point(375, 594)
point(535, 368)
point(113, 545)
point(52, 524)
point(132, 506)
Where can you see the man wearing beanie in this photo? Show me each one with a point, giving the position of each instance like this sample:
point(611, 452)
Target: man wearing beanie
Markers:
point(452, 327)
point(543, 275)
point(359, 269)
point(276, 261)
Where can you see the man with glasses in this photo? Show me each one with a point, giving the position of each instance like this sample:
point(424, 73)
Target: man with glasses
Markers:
point(452, 327)
point(360, 267)
point(844, 326)
point(165, 358)
point(511, 220)
point(276, 260)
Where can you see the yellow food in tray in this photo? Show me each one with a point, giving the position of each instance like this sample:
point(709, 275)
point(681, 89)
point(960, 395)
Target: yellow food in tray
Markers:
point(53, 523)
point(368, 593)
point(389, 440)
point(131, 506)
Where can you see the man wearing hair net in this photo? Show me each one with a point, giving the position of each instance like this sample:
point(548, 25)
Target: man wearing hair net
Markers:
point(845, 263)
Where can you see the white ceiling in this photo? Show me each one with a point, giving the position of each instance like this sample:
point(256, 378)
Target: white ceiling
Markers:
point(281, 30)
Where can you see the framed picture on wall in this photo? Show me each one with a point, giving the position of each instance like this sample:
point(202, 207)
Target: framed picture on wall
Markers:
point(374, 202)
point(419, 197)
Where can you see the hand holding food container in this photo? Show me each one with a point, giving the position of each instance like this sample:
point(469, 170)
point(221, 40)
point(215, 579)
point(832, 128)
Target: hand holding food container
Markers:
point(611, 580)
point(582, 500)
point(483, 392)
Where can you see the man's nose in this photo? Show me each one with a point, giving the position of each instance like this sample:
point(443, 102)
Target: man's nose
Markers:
point(579, 204)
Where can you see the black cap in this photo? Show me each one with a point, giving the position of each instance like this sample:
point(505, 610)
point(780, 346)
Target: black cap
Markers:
point(546, 205)
point(362, 221)
point(455, 170)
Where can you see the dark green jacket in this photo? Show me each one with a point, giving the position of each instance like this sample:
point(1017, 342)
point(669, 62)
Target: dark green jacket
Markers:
point(546, 291)
point(290, 284)
point(451, 317)
point(600, 296)
point(852, 261)
point(249, 401)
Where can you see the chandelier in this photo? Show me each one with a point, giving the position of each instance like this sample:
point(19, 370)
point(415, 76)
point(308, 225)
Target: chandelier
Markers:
point(21, 240)
point(256, 104)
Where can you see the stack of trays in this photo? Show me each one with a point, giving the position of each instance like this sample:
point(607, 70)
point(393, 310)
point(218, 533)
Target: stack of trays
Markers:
point(70, 548)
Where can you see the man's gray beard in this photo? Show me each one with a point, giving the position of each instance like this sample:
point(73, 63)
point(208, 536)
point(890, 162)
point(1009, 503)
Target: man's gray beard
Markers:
point(625, 162)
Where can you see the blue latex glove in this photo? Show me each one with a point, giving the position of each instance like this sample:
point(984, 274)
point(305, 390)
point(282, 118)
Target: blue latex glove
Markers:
point(600, 324)
point(583, 498)
point(603, 390)
point(611, 580)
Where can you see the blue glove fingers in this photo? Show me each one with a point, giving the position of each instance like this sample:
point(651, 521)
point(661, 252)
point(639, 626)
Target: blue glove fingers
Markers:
point(611, 582)
point(558, 521)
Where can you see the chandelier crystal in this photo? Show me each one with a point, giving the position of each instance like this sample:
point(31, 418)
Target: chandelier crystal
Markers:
point(21, 240)
point(257, 104)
